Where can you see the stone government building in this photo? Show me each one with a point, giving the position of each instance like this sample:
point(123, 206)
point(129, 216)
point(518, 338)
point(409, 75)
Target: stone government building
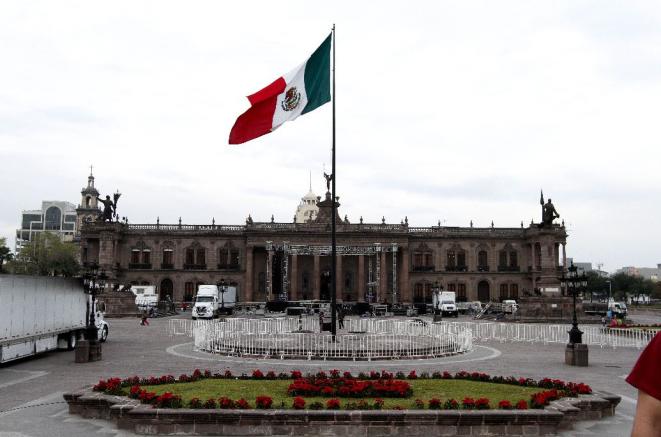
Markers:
point(376, 262)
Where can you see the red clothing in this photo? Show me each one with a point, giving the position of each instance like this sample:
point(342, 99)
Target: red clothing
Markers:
point(646, 374)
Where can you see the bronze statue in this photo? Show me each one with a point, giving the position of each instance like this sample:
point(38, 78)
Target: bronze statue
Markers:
point(329, 178)
point(108, 209)
point(549, 214)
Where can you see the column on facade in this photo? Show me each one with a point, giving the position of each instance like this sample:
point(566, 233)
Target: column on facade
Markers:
point(534, 266)
point(383, 280)
point(361, 279)
point(248, 293)
point(269, 275)
point(316, 287)
point(404, 287)
point(293, 283)
point(339, 279)
point(564, 255)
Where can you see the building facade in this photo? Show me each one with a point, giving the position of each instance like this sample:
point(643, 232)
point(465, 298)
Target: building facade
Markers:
point(379, 262)
point(55, 216)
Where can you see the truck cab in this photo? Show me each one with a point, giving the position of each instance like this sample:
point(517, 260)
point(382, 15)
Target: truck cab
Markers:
point(206, 302)
point(445, 303)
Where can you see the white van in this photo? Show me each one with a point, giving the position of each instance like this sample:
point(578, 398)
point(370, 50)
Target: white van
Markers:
point(227, 299)
point(145, 296)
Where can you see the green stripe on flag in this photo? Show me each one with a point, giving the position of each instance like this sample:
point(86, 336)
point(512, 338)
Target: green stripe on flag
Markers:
point(317, 77)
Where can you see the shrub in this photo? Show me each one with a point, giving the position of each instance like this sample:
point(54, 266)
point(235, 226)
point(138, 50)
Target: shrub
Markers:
point(257, 374)
point(263, 402)
point(434, 404)
point(134, 393)
point(296, 374)
point(242, 404)
point(333, 404)
point(316, 405)
point(451, 404)
point(468, 403)
point(522, 405)
point(209, 404)
point(482, 404)
point(168, 400)
point(420, 404)
point(227, 374)
point(299, 403)
point(195, 403)
point(147, 397)
point(270, 374)
point(412, 375)
point(225, 403)
point(334, 373)
point(378, 404)
point(505, 405)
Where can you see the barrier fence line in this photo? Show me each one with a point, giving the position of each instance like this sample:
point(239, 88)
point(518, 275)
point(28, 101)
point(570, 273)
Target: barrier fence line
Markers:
point(377, 338)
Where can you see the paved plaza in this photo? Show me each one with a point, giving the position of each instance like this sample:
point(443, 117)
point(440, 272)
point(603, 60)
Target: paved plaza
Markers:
point(31, 390)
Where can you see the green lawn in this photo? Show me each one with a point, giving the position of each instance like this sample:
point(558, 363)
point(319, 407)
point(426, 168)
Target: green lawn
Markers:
point(277, 389)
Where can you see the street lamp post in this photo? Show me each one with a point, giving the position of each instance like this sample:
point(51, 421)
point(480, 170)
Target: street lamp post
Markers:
point(90, 348)
point(436, 290)
point(576, 353)
point(222, 287)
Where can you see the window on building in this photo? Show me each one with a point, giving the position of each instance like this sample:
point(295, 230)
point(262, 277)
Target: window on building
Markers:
point(428, 294)
point(168, 258)
point(235, 258)
point(461, 259)
point(190, 256)
point(452, 287)
point(461, 293)
point(452, 260)
point(417, 259)
point(53, 218)
point(223, 257)
point(503, 291)
point(429, 262)
point(482, 261)
point(418, 293)
point(146, 257)
point(261, 282)
point(135, 256)
point(502, 258)
point(189, 291)
point(514, 259)
point(514, 291)
point(200, 259)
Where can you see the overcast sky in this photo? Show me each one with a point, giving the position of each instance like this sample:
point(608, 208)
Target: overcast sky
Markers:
point(451, 111)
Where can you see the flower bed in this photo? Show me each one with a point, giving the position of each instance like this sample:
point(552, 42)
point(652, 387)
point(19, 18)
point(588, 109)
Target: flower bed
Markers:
point(374, 385)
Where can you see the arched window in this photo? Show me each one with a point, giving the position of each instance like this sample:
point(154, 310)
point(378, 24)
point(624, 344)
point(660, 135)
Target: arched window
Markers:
point(167, 261)
point(514, 291)
point(482, 261)
point(140, 256)
point(456, 259)
point(195, 258)
point(229, 257)
point(88, 199)
point(452, 261)
point(503, 291)
point(418, 293)
point(423, 259)
point(53, 218)
point(190, 256)
point(514, 260)
point(502, 260)
point(461, 293)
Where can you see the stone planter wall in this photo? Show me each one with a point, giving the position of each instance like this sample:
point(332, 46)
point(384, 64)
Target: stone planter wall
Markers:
point(143, 419)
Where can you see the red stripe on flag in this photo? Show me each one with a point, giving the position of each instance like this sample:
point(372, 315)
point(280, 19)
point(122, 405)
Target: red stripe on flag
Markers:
point(277, 87)
point(255, 122)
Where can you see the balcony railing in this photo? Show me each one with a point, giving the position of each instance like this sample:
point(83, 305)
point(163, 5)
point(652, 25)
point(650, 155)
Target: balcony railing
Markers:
point(423, 268)
point(229, 266)
point(167, 266)
point(140, 266)
point(509, 268)
point(482, 268)
point(456, 268)
point(195, 266)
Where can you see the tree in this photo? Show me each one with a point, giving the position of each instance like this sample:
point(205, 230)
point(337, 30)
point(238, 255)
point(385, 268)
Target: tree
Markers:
point(597, 284)
point(5, 253)
point(47, 255)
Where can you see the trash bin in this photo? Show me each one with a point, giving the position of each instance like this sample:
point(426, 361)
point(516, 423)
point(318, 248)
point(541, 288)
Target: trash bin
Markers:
point(82, 351)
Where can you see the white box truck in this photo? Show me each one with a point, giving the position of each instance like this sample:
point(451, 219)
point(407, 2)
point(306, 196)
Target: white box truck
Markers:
point(206, 302)
point(445, 302)
point(40, 313)
point(227, 299)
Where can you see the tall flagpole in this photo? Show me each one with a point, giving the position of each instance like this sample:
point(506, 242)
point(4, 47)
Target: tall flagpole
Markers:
point(334, 213)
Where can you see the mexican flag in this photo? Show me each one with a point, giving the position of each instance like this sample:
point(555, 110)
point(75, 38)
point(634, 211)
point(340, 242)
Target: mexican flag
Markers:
point(298, 92)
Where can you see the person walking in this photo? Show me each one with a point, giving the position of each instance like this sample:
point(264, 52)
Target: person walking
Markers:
point(340, 318)
point(144, 321)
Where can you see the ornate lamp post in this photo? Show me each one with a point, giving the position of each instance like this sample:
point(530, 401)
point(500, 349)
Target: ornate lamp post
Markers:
point(222, 287)
point(576, 353)
point(93, 280)
point(436, 290)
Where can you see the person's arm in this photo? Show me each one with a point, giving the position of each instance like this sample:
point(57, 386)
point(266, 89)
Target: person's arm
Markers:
point(647, 422)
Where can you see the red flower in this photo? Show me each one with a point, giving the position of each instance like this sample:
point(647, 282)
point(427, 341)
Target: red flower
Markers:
point(257, 374)
point(135, 392)
point(195, 403)
point(333, 404)
point(482, 404)
point(270, 374)
point(505, 405)
point(225, 403)
point(468, 403)
point(296, 374)
point(299, 403)
point(335, 373)
point(434, 404)
point(242, 404)
point(451, 404)
point(522, 405)
point(412, 375)
point(263, 402)
point(210, 404)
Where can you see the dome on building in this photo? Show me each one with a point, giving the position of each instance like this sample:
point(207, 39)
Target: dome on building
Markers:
point(307, 210)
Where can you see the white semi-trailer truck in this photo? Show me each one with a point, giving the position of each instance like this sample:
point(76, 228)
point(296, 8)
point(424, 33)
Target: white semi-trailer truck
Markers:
point(39, 314)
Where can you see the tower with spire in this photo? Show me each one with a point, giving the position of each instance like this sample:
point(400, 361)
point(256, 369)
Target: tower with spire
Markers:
point(307, 210)
point(88, 209)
